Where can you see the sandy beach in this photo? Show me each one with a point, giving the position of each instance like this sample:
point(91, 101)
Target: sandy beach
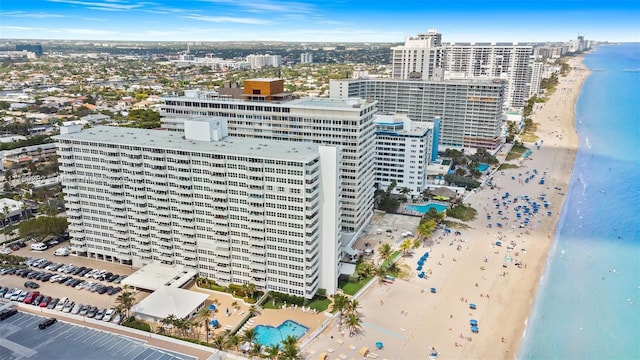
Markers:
point(471, 268)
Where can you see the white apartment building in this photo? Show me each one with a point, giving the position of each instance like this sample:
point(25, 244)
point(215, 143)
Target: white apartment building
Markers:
point(237, 210)
point(425, 57)
point(260, 61)
point(470, 110)
point(419, 58)
point(347, 123)
point(537, 73)
point(510, 62)
point(403, 152)
point(306, 58)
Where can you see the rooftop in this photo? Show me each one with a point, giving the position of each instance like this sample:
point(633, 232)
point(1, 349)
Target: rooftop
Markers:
point(157, 275)
point(170, 140)
point(167, 301)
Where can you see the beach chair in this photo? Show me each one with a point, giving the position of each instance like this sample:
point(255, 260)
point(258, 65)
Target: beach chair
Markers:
point(339, 341)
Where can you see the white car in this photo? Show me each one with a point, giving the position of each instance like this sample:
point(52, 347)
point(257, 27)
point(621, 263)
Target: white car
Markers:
point(63, 251)
point(61, 303)
point(109, 314)
point(10, 293)
point(39, 246)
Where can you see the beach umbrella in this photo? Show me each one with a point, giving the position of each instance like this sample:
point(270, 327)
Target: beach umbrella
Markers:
point(473, 322)
point(472, 306)
point(379, 345)
point(212, 307)
point(419, 267)
point(433, 290)
point(227, 311)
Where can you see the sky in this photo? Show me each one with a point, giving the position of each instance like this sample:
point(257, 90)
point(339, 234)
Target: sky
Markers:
point(320, 20)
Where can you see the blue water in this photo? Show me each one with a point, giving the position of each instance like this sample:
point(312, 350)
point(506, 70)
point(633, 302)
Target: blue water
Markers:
point(588, 303)
point(424, 208)
point(482, 167)
point(270, 336)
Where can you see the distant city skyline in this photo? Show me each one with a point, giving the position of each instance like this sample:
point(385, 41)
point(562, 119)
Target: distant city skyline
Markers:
point(313, 21)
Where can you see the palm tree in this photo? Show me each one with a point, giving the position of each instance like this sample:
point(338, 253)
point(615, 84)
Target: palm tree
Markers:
point(273, 351)
point(380, 272)
point(233, 341)
point(126, 300)
point(202, 317)
point(339, 303)
point(351, 308)
point(406, 245)
point(354, 324)
point(168, 322)
point(234, 304)
point(255, 350)
point(290, 350)
point(219, 342)
point(385, 251)
point(249, 335)
point(249, 289)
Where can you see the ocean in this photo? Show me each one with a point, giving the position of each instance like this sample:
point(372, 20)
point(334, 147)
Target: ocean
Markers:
point(588, 301)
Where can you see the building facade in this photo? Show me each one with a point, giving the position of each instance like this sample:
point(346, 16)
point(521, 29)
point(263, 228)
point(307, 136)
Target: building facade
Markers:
point(509, 62)
point(237, 210)
point(425, 57)
point(470, 110)
point(403, 152)
point(419, 58)
point(346, 123)
point(260, 61)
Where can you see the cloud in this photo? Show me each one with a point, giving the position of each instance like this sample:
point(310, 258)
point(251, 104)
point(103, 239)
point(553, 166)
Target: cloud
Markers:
point(228, 19)
point(109, 5)
point(268, 5)
point(38, 15)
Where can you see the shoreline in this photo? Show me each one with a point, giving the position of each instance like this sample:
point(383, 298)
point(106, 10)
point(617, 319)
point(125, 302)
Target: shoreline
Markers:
point(502, 280)
point(569, 125)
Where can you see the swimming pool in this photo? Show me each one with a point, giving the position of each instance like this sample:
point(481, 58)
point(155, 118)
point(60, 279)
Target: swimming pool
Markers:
point(482, 167)
point(424, 208)
point(269, 336)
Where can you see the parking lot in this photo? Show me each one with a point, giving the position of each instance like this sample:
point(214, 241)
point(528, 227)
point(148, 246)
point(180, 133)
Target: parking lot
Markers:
point(95, 291)
point(21, 338)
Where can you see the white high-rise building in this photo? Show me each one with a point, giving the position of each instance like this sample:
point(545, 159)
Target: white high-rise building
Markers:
point(509, 62)
point(537, 71)
point(306, 58)
point(347, 123)
point(260, 61)
point(470, 110)
point(425, 57)
point(403, 151)
point(418, 58)
point(238, 210)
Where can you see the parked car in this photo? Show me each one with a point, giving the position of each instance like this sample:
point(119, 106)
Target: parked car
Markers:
point(38, 300)
point(76, 309)
point(69, 306)
point(109, 314)
point(84, 310)
point(31, 285)
point(46, 323)
point(52, 304)
point(45, 302)
point(61, 304)
point(31, 297)
point(91, 312)
point(100, 314)
point(114, 291)
point(7, 313)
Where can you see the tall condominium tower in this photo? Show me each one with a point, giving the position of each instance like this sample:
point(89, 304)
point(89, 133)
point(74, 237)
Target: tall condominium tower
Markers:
point(418, 58)
point(470, 111)
point(238, 210)
point(426, 57)
point(266, 113)
point(510, 62)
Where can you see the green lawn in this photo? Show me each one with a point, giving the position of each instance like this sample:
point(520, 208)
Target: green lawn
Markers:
point(320, 304)
point(506, 166)
point(393, 256)
point(351, 288)
point(516, 152)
